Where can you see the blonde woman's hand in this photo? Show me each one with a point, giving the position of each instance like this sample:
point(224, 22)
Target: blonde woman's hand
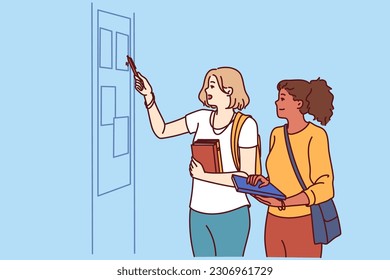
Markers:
point(196, 169)
point(142, 85)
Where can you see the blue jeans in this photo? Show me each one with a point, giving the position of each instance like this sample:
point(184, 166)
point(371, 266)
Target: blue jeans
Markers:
point(220, 235)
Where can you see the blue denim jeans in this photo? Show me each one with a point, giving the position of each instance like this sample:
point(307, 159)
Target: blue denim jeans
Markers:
point(220, 235)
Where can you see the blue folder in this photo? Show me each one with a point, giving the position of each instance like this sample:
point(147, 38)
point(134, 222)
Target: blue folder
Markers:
point(267, 191)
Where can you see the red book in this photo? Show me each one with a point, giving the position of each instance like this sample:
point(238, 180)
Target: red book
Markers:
point(208, 153)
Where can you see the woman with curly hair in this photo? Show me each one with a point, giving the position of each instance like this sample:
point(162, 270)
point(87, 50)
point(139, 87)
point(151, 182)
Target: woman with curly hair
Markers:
point(288, 227)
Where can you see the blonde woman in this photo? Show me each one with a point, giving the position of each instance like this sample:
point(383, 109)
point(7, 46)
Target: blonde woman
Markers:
point(219, 215)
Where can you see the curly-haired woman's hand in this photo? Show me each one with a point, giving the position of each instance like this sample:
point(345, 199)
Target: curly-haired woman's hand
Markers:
point(255, 179)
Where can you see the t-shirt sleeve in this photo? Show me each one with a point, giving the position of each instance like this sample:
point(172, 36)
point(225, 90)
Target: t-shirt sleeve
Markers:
point(193, 119)
point(248, 134)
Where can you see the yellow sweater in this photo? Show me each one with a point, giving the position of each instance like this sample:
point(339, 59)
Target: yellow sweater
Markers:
point(311, 151)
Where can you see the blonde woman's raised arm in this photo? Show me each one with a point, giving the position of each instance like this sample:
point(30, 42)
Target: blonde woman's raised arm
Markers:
point(160, 128)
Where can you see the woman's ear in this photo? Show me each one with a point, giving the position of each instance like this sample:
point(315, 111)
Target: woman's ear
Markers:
point(299, 104)
point(228, 90)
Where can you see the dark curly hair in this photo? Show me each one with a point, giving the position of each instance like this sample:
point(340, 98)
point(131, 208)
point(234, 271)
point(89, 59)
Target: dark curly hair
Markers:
point(315, 95)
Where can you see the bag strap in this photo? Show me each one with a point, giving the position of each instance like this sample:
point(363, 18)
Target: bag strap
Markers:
point(292, 159)
point(238, 122)
point(258, 156)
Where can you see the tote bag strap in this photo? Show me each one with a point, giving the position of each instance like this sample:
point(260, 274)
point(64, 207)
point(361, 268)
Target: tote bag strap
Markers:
point(292, 159)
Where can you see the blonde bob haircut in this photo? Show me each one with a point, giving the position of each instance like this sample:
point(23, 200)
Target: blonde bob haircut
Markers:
point(227, 77)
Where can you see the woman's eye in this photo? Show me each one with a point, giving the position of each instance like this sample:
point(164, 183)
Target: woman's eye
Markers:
point(211, 86)
point(282, 99)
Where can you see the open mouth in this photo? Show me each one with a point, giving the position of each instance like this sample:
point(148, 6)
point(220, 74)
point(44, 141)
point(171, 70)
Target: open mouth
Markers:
point(209, 96)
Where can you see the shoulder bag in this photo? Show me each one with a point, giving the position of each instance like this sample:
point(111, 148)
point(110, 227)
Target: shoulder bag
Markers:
point(326, 223)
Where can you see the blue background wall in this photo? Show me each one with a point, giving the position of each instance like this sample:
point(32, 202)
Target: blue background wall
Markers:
point(45, 109)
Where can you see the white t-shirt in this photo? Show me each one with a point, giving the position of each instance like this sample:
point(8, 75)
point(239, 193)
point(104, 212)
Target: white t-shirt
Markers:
point(213, 198)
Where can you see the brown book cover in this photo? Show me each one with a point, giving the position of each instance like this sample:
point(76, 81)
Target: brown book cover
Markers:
point(208, 153)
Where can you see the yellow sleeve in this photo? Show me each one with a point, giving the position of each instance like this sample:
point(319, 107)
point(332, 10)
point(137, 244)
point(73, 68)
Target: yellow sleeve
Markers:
point(321, 172)
point(272, 139)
